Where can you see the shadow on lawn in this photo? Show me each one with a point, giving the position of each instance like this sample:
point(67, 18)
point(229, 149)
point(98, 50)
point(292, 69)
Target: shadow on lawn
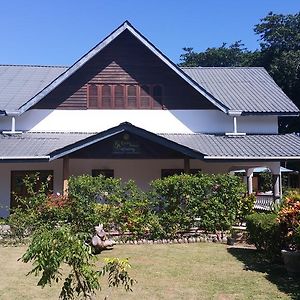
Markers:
point(275, 272)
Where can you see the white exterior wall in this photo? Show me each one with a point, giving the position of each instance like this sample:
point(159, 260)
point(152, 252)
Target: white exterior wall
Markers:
point(157, 121)
point(140, 170)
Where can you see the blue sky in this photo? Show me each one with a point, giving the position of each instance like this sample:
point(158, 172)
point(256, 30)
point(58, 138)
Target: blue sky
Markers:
point(58, 32)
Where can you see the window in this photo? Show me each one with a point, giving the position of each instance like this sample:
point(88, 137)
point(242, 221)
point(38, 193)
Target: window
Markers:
point(107, 173)
point(132, 96)
point(93, 96)
point(170, 172)
point(106, 96)
point(119, 96)
point(18, 188)
point(145, 97)
point(128, 96)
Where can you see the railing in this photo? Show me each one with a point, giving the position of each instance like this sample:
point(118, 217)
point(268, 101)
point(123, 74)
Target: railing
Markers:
point(264, 202)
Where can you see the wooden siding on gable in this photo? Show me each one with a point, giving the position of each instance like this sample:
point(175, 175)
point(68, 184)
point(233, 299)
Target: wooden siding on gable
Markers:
point(125, 61)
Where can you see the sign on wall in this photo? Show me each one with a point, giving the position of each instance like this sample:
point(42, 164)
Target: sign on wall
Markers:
point(126, 145)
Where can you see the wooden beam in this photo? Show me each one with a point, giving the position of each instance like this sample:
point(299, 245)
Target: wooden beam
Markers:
point(187, 167)
point(66, 164)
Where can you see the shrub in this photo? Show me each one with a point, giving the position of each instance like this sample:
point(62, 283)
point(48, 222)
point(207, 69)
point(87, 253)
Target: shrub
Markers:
point(297, 237)
point(117, 205)
point(171, 199)
point(289, 219)
point(265, 233)
point(61, 229)
point(216, 200)
point(246, 207)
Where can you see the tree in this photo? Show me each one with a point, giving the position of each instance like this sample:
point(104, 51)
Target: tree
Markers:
point(61, 230)
point(280, 50)
point(234, 55)
point(279, 53)
point(279, 32)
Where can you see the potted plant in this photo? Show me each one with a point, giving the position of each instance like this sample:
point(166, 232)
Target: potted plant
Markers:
point(289, 221)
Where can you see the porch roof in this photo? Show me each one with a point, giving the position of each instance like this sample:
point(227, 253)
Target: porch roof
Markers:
point(50, 146)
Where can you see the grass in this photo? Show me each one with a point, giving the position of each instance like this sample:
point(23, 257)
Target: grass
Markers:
point(185, 271)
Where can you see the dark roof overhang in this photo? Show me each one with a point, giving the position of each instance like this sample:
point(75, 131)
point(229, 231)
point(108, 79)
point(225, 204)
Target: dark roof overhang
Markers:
point(129, 128)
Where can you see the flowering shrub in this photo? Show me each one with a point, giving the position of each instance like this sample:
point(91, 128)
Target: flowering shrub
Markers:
point(275, 231)
point(289, 219)
point(57, 200)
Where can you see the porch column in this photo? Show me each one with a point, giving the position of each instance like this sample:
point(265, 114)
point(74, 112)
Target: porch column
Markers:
point(65, 175)
point(276, 180)
point(249, 174)
point(276, 186)
point(187, 167)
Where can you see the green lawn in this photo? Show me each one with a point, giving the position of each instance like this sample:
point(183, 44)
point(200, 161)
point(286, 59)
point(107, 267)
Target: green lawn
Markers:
point(185, 271)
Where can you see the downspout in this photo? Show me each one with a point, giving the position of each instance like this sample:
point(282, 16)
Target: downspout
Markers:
point(13, 116)
point(235, 114)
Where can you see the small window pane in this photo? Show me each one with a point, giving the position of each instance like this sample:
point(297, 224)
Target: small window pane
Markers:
point(92, 95)
point(145, 98)
point(119, 96)
point(107, 173)
point(132, 96)
point(106, 96)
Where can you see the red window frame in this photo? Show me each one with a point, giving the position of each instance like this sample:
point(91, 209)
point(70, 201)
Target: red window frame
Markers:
point(110, 100)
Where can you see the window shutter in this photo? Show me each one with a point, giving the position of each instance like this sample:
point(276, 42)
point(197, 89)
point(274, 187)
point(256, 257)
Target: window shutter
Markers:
point(119, 96)
point(106, 96)
point(132, 96)
point(92, 96)
point(145, 98)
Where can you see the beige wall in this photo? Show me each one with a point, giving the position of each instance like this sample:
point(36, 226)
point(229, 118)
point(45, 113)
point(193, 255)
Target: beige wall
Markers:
point(140, 170)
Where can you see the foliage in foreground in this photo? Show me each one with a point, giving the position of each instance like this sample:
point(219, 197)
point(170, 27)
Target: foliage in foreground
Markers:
point(264, 233)
point(272, 232)
point(215, 201)
point(61, 229)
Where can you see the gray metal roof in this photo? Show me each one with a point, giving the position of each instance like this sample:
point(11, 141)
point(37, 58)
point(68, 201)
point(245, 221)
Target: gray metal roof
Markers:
point(32, 145)
point(261, 146)
point(250, 147)
point(18, 84)
point(248, 89)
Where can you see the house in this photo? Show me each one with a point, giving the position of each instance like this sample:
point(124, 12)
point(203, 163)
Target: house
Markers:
point(125, 110)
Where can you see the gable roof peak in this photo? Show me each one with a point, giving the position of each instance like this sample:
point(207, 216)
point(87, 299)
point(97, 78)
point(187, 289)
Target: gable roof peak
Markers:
point(99, 47)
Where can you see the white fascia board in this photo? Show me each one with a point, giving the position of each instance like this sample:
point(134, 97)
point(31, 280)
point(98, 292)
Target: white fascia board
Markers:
point(12, 113)
point(251, 157)
point(64, 153)
point(24, 157)
point(235, 113)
